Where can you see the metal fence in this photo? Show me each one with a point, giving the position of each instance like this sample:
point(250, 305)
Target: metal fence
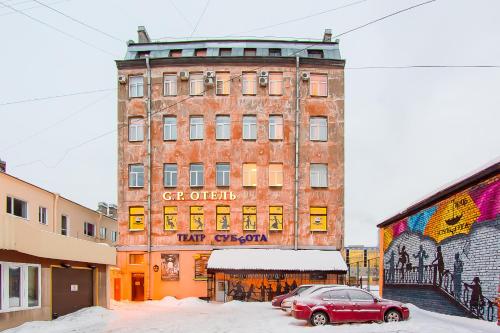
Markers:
point(364, 274)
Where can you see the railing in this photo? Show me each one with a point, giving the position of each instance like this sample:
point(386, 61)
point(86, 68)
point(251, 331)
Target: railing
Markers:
point(468, 296)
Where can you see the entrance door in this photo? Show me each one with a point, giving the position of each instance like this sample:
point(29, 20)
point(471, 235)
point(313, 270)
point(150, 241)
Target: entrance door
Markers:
point(137, 287)
point(117, 289)
point(221, 291)
point(72, 289)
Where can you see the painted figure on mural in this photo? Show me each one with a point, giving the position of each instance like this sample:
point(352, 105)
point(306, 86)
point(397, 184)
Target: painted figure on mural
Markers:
point(262, 292)
point(458, 268)
point(286, 289)
point(392, 268)
point(239, 292)
point(276, 223)
point(440, 264)
point(421, 255)
point(224, 224)
point(476, 298)
point(278, 288)
point(404, 258)
point(248, 223)
point(294, 285)
point(250, 292)
point(270, 292)
point(199, 224)
point(170, 223)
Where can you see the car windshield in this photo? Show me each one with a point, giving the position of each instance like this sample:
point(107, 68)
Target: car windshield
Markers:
point(298, 290)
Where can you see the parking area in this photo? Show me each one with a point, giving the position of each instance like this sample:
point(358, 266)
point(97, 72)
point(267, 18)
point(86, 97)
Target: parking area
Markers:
point(194, 315)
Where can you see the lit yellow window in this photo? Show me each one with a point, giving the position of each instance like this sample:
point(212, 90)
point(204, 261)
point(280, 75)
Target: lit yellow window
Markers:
point(319, 85)
point(136, 218)
point(249, 174)
point(318, 218)
point(223, 83)
point(249, 218)
point(223, 217)
point(170, 217)
point(275, 218)
point(275, 174)
point(197, 219)
point(136, 259)
point(275, 83)
point(249, 84)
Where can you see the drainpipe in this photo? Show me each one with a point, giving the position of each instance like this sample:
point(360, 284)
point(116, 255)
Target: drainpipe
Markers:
point(148, 101)
point(297, 127)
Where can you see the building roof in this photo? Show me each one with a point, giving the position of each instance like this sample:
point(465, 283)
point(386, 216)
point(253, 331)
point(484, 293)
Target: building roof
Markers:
point(490, 170)
point(276, 260)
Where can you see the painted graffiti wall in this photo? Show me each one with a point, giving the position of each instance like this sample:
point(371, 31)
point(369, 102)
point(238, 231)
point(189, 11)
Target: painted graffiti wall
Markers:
point(451, 249)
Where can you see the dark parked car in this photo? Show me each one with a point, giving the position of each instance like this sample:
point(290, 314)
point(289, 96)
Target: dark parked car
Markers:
point(278, 299)
point(347, 305)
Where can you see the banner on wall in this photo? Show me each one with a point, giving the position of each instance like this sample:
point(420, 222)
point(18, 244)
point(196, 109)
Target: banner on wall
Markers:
point(170, 266)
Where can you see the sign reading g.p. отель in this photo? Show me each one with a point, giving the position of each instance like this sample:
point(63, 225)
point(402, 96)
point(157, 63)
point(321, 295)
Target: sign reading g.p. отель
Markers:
point(199, 195)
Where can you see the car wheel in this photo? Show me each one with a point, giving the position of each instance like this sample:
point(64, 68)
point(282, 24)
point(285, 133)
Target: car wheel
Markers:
point(392, 315)
point(319, 319)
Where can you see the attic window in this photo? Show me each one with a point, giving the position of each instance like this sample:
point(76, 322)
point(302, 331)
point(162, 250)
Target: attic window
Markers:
point(315, 54)
point(275, 52)
point(175, 53)
point(225, 52)
point(200, 52)
point(142, 54)
point(250, 52)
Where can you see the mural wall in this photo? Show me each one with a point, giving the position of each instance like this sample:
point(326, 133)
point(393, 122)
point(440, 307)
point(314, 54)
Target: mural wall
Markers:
point(451, 249)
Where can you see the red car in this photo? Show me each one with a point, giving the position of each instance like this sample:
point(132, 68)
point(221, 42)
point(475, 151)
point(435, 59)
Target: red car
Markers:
point(347, 305)
point(278, 299)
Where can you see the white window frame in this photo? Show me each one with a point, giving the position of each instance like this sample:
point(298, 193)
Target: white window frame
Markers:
point(249, 84)
point(12, 198)
point(85, 228)
point(135, 86)
point(321, 85)
point(248, 175)
point(134, 175)
point(168, 175)
point(114, 236)
point(103, 232)
point(250, 129)
point(223, 174)
point(274, 175)
point(222, 82)
point(23, 292)
point(222, 127)
point(272, 82)
point(67, 224)
point(170, 129)
point(274, 125)
point(170, 84)
point(316, 127)
point(196, 80)
point(193, 175)
point(135, 130)
point(196, 129)
point(316, 177)
point(43, 215)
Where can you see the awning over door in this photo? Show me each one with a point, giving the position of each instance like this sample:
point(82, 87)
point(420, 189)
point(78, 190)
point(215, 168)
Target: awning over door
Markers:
point(276, 260)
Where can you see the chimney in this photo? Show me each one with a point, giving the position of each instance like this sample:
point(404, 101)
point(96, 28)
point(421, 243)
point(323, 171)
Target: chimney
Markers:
point(3, 166)
point(102, 208)
point(327, 37)
point(142, 34)
point(113, 211)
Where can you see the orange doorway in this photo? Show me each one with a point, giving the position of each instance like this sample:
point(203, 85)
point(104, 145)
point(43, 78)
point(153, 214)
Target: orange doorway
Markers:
point(137, 287)
point(117, 289)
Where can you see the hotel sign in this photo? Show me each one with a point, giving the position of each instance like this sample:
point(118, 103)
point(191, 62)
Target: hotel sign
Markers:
point(199, 195)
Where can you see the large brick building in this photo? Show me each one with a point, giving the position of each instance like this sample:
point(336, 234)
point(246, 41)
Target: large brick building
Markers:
point(208, 152)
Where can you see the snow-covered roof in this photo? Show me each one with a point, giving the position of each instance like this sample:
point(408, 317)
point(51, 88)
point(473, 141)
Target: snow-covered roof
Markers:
point(276, 260)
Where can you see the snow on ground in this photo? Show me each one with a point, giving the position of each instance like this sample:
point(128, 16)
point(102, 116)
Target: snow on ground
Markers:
point(194, 315)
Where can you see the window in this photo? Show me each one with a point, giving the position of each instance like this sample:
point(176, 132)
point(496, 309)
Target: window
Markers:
point(249, 218)
point(200, 52)
point(136, 175)
point(136, 218)
point(318, 218)
point(275, 218)
point(275, 174)
point(17, 207)
point(358, 295)
point(222, 83)
point(197, 222)
point(196, 87)
point(315, 54)
point(249, 84)
point(170, 128)
point(196, 128)
point(319, 175)
point(196, 175)
point(42, 215)
point(114, 236)
point(175, 53)
point(223, 218)
point(136, 259)
point(200, 266)
point(170, 85)
point(222, 174)
point(64, 225)
point(89, 229)
point(14, 288)
point(135, 86)
point(102, 232)
point(33, 286)
point(318, 129)
point(365, 258)
point(275, 52)
point(249, 128)
point(318, 85)
point(225, 52)
point(339, 295)
point(135, 129)
point(19, 286)
point(170, 175)
point(223, 128)
point(250, 52)
point(170, 218)
point(275, 127)
point(275, 83)
point(249, 174)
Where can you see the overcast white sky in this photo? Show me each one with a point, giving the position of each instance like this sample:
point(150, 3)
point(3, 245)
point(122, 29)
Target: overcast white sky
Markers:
point(407, 131)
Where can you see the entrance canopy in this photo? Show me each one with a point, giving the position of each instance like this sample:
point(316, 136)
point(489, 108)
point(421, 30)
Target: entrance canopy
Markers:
point(276, 260)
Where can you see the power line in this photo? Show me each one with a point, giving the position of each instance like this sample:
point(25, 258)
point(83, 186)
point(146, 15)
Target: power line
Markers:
point(58, 30)
point(181, 14)
point(36, 99)
point(423, 66)
point(29, 8)
point(199, 19)
point(78, 21)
